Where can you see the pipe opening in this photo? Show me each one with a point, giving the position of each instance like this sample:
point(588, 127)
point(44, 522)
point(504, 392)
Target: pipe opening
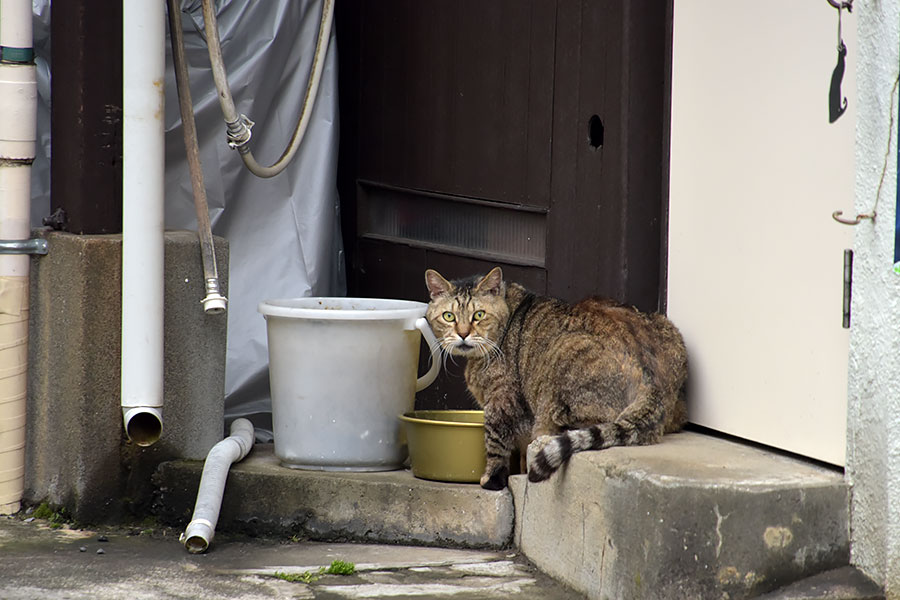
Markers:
point(143, 428)
point(196, 544)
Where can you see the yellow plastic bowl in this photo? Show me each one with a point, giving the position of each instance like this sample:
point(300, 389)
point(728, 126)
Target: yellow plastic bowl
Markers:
point(446, 445)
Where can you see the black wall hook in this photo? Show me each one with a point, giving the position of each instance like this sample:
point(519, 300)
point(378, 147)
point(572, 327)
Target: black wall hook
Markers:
point(848, 6)
point(837, 102)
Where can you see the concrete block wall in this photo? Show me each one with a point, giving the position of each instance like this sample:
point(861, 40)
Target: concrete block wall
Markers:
point(77, 455)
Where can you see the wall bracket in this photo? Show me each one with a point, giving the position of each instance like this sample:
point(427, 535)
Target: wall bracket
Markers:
point(32, 246)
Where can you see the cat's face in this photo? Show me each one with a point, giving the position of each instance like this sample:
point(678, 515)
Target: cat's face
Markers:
point(467, 316)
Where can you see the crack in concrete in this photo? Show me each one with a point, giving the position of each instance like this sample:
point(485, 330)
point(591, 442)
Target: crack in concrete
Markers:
point(719, 520)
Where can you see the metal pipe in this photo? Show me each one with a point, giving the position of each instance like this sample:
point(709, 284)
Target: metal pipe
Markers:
point(200, 531)
point(143, 167)
point(214, 302)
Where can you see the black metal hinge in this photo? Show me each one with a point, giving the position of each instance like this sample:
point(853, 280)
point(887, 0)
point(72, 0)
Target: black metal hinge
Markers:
point(848, 286)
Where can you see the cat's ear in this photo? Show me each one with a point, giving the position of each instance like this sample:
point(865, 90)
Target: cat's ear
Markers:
point(492, 283)
point(437, 285)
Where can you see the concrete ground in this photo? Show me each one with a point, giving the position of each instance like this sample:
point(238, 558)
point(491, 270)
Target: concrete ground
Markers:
point(39, 562)
point(690, 518)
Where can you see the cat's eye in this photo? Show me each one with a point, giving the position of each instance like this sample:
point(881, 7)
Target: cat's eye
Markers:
point(479, 315)
point(449, 316)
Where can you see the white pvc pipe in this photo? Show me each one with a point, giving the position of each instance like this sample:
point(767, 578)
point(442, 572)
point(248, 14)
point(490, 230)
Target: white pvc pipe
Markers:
point(18, 114)
point(143, 164)
point(199, 532)
point(15, 24)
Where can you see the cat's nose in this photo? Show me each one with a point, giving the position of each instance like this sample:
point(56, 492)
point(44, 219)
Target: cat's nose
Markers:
point(463, 331)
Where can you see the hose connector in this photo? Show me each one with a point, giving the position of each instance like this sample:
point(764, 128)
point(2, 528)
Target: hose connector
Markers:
point(238, 133)
point(214, 303)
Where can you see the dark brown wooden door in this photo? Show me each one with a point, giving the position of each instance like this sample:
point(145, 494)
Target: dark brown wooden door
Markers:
point(523, 134)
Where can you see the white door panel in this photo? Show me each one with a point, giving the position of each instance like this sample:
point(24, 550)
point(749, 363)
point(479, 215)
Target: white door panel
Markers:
point(755, 259)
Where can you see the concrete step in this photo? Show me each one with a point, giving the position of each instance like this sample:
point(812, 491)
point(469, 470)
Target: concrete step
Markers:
point(692, 517)
point(262, 497)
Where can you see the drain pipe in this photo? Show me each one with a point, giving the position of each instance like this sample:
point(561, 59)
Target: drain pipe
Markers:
point(143, 166)
point(18, 118)
point(199, 532)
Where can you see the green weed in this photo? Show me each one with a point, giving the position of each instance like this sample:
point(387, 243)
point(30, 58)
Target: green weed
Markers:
point(57, 516)
point(304, 577)
point(337, 567)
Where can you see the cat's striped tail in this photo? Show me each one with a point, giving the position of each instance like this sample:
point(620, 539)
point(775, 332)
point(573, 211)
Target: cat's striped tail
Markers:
point(548, 453)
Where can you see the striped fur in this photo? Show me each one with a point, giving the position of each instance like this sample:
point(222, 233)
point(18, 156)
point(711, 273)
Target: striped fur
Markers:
point(577, 377)
point(552, 452)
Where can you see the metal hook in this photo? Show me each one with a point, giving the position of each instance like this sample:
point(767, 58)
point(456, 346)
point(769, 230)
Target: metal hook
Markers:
point(840, 45)
point(836, 215)
point(848, 5)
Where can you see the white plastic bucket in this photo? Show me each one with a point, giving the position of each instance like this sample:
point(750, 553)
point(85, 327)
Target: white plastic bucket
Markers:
point(341, 371)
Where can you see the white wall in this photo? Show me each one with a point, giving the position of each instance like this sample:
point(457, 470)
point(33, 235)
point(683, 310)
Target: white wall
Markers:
point(873, 445)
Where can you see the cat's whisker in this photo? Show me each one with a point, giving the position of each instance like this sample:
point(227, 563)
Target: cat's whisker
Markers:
point(448, 356)
point(494, 348)
point(447, 345)
point(488, 349)
point(434, 346)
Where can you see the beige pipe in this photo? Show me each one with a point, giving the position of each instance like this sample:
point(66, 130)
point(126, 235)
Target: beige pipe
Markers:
point(18, 114)
point(13, 373)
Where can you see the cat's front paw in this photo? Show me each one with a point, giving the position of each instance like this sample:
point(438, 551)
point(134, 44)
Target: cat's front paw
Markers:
point(496, 480)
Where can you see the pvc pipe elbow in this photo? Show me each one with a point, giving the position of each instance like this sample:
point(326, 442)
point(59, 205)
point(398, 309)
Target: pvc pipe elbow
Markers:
point(143, 424)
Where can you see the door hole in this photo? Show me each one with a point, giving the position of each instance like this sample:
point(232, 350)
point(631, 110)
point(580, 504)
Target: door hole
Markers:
point(595, 132)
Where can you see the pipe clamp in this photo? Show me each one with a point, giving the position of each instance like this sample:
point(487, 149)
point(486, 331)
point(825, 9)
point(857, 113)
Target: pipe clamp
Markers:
point(238, 132)
point(32, 246)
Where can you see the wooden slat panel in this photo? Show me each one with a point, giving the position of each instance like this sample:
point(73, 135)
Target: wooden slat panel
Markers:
point(457, 96)
point(584, 246)
point(605, 217)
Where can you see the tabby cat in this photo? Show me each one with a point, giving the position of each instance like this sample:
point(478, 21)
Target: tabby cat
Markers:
point(571, 377)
